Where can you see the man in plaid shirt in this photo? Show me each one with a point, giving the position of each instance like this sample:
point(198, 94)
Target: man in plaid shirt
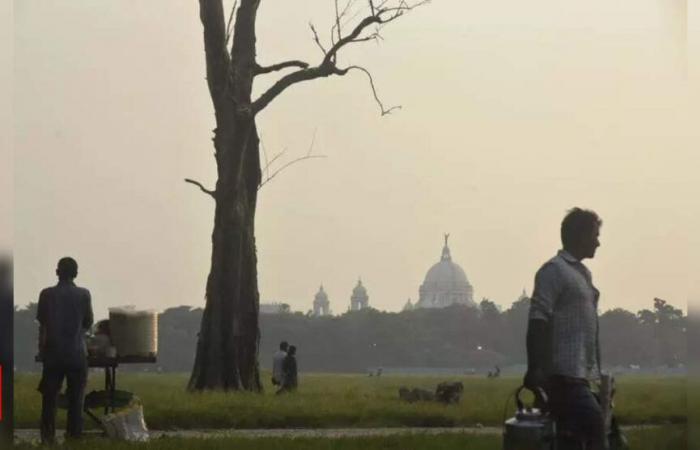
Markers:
point(562, 338)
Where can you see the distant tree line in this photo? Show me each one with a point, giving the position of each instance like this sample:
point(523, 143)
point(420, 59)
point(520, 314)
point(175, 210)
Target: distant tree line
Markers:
point(458, 337)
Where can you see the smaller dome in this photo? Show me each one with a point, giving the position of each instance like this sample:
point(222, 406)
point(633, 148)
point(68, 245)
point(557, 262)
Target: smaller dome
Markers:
point(359, 289)
point(321, 295)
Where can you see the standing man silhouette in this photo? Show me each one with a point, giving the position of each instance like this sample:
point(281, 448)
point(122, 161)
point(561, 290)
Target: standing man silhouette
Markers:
point(562, 338)
point(64, 314)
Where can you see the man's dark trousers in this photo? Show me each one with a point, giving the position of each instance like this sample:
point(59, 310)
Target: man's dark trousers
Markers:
point(51, 382)
point(578, 414)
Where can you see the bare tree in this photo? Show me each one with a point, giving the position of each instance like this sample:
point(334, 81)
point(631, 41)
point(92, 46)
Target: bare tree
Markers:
point(227, 349)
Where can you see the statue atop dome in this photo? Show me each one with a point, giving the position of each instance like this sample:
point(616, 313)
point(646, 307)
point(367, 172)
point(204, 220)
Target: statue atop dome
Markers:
point(445, 283)
point(446, 250)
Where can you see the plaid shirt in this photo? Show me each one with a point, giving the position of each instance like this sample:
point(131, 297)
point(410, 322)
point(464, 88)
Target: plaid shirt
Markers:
point(565, 297)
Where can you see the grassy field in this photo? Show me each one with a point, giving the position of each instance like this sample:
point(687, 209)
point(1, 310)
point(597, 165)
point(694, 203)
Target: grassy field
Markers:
point(667, 438)
point(339, 401)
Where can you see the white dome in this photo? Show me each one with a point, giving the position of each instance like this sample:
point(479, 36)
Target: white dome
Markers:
point(445, 284)
point(446, 273)
point(359, 289)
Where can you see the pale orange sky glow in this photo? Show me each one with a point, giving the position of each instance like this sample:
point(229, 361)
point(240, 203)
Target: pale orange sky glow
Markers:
point(512, 113)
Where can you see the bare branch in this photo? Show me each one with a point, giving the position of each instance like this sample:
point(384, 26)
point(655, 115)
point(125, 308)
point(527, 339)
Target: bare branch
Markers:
point(400, 9)
point(317, 39)
point(338, 16)
point(283, 83)
point(197, 183)
point(230, 21)
point(327, 67)
point(385, 111)
point(337, 21)
point(274, 158)
point(283, 65)
point(372, 37)
point(313, 141)
point(262, 146)
point(302, 158)
point(354, 34)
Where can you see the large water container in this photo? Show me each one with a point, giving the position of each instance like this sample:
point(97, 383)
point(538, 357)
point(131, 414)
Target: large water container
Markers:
point(134, 332)
point(530, 429)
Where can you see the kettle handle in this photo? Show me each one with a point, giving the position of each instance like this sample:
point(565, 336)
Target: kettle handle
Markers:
point(538, 391)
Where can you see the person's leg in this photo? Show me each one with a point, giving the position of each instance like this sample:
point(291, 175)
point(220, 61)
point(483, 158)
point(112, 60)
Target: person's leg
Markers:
point(75, 379)
point(50, 386)
point(579, 418)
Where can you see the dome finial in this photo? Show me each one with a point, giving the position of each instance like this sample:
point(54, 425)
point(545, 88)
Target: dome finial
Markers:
point(446, 250)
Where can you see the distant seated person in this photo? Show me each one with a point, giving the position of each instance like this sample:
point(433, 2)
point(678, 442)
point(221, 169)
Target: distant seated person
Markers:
point(289, 370)
point(277, 363)
point(64, 314)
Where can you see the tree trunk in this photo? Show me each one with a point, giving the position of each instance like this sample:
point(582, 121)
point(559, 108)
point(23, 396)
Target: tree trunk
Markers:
point(227, 350)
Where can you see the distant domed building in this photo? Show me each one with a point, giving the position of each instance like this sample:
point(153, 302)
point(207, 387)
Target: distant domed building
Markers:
point(445, 284)
point(359, 299)
point(321, 303)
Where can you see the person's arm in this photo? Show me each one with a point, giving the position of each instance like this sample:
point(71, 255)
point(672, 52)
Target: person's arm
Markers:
point(88, 317)
point(538, 353)
point(41, 318)
point(539, 341)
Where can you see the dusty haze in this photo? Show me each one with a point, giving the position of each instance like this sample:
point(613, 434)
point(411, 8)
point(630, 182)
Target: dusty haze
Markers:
point(512, 113)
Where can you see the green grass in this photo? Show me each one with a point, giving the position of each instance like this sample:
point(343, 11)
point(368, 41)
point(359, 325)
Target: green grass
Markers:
point(336, 400)
point(667, 438)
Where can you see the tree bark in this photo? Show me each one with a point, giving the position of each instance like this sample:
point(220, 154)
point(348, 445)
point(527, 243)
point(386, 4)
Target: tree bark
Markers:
point(227, 350)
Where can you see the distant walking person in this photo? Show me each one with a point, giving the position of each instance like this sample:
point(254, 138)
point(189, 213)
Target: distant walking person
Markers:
point(64, 315)
point(277, 362)
point(289, 369)
point(562, 338)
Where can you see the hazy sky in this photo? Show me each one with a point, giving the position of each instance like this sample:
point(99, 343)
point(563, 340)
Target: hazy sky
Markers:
point(512, 113)
point(6, 126)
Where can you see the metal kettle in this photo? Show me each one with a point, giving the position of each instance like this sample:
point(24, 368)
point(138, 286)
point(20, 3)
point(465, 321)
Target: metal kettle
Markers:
point(530, 428)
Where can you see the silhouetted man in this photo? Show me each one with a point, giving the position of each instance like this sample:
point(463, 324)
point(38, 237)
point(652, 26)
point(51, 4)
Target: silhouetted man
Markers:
point(64, 314)
point(562, 337)
point(277, 362)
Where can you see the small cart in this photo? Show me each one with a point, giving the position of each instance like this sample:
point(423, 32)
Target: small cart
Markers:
point(110, 398)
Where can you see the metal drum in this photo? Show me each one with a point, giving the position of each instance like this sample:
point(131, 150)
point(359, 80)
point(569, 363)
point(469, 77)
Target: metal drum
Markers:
point(531, 428)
